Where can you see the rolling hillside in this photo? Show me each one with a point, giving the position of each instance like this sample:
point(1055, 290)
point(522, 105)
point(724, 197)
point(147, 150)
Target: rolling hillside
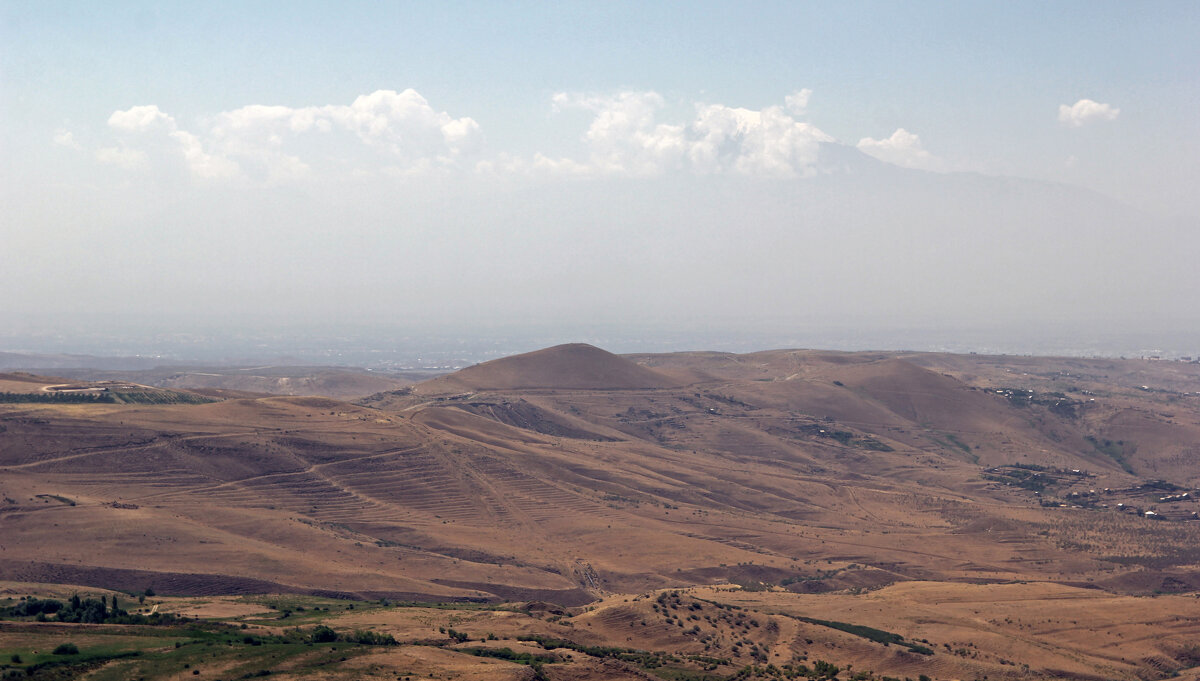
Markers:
point(571, 475)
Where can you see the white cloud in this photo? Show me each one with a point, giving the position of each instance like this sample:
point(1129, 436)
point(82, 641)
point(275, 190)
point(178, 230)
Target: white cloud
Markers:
point(129, 159)
point(200, 162)
point(270, 143)
point(399, 134)
point(148, 129)
point(404, 123)
point(64, 138)
point(140, 119)
point(904, 149)
point(767, 142)
point(461, 134)
point(797, 102)
point(1086, 110)
point(416, 138)
point(625, 137)
point(258, 118)
point(560, 166)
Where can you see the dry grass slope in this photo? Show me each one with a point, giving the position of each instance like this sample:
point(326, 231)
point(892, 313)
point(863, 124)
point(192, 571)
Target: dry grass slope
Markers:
point(892, 492)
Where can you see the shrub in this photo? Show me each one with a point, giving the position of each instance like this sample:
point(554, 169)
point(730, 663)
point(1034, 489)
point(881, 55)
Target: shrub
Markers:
point(66, 649)
point(371, 638)
point(323, 634)
point(825, 669)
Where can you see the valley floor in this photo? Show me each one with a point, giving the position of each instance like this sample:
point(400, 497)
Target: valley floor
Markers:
point(915, 630)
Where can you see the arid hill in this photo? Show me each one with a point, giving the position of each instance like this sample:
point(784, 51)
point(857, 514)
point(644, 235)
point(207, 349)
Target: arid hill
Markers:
point(570, 476)
point(575, 366)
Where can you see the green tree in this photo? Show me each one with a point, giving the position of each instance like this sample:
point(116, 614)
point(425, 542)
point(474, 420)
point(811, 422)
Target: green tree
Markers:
point(323, 634)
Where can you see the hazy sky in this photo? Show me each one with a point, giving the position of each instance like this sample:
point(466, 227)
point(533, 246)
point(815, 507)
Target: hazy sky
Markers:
point(505, 163)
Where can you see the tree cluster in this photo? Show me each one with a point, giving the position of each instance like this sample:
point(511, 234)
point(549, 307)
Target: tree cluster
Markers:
point(82, 610)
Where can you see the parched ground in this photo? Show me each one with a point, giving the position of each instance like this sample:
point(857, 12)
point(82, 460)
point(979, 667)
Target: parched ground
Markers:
point(1005, 631)
point(897, 492)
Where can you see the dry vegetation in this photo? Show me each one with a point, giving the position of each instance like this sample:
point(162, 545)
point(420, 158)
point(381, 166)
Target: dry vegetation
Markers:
point(689, 516)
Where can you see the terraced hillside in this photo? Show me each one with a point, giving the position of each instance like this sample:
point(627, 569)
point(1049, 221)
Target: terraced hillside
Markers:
point(809, 473)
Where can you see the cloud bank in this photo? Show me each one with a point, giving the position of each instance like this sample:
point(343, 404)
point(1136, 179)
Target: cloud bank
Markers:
point(626, 137)
point(399, 134)
point(266, 142)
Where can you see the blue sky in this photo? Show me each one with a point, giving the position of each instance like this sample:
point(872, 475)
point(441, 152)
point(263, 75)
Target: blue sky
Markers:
point(220, 118)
